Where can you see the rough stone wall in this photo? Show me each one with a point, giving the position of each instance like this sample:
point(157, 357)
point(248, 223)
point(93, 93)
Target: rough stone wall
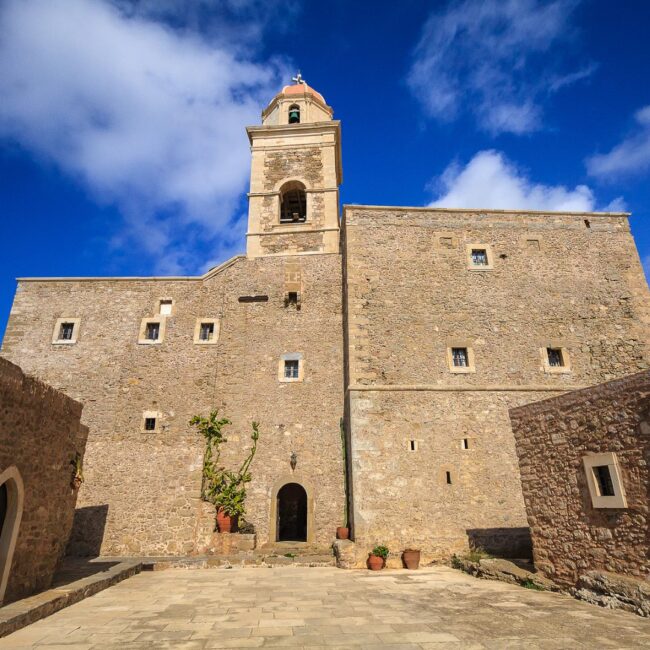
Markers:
point(570, 536)
point(142, 490)
point(40, 433)
point(410, 296)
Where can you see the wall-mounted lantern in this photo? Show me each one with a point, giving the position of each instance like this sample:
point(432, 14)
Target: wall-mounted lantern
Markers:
point(294, 460)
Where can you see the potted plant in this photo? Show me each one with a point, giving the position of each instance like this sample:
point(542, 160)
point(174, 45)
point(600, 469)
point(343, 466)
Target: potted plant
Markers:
point(377, 558)
point(411, 558)
point(224, 488)
point(342, 532)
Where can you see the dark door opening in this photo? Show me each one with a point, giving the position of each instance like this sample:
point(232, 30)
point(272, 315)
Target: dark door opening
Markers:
point(292, 513)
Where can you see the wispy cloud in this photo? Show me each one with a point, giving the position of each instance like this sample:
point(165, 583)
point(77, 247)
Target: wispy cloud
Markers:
point(490, 180)
point(494, 58)
point(148, 116)
point(631, 156)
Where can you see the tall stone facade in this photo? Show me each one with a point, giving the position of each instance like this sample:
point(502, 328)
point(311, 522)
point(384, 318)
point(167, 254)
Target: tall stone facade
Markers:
point(40, 434)
point(573, 533)
point(321, 321)
point(433, 460)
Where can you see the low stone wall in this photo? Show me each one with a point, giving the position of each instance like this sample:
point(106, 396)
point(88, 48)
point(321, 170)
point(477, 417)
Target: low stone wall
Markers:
point(40, 435)
point(571, 536)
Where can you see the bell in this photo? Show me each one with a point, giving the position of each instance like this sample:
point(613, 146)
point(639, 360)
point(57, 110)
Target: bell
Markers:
point(294, 116)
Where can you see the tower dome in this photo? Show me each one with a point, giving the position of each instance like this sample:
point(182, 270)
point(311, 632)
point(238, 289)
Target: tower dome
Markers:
point(297, 103)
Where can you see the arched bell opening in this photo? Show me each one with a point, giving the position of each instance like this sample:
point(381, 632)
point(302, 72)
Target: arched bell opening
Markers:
point(12, 494)
point(294, 114)
point(292, 513)
point(293, 203)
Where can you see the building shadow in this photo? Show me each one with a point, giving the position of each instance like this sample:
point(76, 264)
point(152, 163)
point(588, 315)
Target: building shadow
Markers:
point(502, 542)
point(87, 532)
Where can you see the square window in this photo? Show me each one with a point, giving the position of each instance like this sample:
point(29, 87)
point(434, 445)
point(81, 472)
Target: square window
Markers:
point(460, 357)
point(150, 424)
point(555, 359)
point(152, 331)
point(292, 299)
point(65, 332)
point(447, 242)
point(291, 368)
point(532, 244)
point(479, 257)
point(603, 481)
point(206, 331)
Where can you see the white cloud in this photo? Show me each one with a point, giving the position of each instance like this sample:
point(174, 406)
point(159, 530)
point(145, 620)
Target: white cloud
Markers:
point(490, 180)
point(495, 58)
point(631, 156)
point(148, 117)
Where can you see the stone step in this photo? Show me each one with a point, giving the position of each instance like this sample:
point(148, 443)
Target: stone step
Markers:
point(255, 559)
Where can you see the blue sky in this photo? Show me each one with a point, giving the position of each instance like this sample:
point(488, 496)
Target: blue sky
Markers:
point(122, 142)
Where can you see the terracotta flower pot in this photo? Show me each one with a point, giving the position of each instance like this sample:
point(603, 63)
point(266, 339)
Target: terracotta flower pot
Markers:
point(375, 563)
point(342, 532)
point(411, 559)
point(225, 523)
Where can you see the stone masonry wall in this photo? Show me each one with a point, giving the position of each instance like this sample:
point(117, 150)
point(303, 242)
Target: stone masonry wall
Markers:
point(555, 281)
point(142, 490)
point(40, 433)
point(570, 536)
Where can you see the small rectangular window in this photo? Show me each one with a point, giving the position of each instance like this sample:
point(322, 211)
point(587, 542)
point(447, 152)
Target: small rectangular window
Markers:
point(460, 357)
point(165, 307)
point(292, 299)
point(555, 359)
point(446, 242)
point(604, 481)
point(150, 424)
point(413, 445)
point(532, 244)
point(291, 367)
point(479, 257)
point(152, 331)
point(206, 331)
point(448, 476)
point(465, 443)
point(66, 331)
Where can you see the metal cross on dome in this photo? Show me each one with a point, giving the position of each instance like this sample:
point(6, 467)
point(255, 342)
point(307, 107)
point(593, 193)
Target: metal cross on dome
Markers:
point(298, 78)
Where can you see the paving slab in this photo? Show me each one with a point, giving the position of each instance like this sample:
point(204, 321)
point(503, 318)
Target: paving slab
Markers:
point(327, 607)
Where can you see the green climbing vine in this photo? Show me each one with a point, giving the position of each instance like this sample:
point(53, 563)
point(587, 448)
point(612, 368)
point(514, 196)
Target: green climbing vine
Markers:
point(222, 487)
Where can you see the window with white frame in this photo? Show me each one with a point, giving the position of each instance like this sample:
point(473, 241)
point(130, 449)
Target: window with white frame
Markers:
point(152, 330)
point(479, 257)
point(291, 367)
point(604, 480)
point(555, 359)
point(66, 331)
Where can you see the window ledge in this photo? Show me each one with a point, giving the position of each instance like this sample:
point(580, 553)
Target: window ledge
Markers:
point(462, 371)
point(64, 342)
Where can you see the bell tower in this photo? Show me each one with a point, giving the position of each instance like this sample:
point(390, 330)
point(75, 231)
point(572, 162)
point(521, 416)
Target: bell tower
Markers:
point(293, 203)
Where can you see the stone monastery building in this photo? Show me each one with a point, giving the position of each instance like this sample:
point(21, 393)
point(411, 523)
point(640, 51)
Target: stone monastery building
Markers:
point(381, 348)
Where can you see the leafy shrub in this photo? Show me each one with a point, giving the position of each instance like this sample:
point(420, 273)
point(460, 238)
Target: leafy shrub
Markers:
point(380, 551)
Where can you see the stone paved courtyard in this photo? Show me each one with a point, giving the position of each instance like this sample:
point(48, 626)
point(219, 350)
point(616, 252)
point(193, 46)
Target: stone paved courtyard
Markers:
point(313, 607)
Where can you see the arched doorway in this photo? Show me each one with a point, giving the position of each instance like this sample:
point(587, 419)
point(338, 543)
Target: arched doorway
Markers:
point(292, 513)
point(12, 494)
